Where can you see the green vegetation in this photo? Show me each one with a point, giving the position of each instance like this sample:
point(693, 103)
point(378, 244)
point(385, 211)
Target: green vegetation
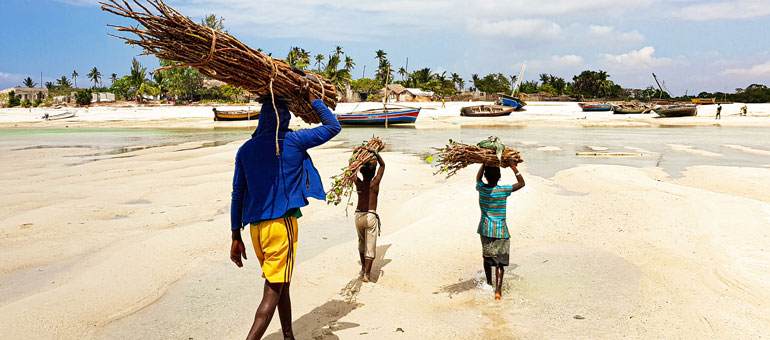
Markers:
point(74, 77)
point(29, 83)
point(95, 76)
point(491, 83)
point(211, 21)
point(13, 100)
point(83, 97)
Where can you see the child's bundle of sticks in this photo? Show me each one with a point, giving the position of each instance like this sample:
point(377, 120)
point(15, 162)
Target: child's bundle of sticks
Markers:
point(344, 182)
point(172, 36)
point(456, 156)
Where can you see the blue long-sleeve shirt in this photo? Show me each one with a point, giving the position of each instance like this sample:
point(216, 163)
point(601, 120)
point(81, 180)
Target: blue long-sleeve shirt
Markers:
point(265, 185)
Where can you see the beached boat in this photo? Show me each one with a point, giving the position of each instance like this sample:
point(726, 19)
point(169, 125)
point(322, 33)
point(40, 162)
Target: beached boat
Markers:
point(515, 102)
point(595, 106)
point(630, 109)
point(380, 116)
point(63, 115)
point(677, 110)
point(704, 101)
point(486, 111)
point(235, 115)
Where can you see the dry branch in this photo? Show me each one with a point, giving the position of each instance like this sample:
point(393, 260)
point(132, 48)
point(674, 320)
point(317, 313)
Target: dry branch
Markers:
point(343, 183)
point(456, 156)
point(169, 35)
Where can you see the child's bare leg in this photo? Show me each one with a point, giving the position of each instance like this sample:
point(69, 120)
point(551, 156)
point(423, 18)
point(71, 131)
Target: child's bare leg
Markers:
point(284, 313)
point(363, 262)
point(488, 272)
point(266, 309)
point(367, 269)
point(499, 282)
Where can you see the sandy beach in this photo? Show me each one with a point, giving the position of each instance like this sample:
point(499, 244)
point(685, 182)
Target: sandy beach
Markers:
point(433, 116)
point(131, 241)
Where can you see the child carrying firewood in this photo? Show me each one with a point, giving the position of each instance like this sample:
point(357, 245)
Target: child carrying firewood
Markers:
point(493, 229)
point(367, 220)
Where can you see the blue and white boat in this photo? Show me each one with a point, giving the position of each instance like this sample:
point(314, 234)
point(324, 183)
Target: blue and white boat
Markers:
point(515, 102)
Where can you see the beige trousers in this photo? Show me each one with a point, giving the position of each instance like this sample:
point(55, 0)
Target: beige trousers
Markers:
point(366, 226)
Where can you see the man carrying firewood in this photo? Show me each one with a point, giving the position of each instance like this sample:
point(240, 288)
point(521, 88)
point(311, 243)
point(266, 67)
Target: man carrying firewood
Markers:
point(274, 177)
point(367, 220)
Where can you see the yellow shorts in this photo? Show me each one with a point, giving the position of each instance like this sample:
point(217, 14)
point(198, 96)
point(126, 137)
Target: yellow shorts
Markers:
point(275, 242)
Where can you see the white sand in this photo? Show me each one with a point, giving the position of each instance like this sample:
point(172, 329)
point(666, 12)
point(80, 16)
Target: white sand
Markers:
point(432, 116)
point(136, 248)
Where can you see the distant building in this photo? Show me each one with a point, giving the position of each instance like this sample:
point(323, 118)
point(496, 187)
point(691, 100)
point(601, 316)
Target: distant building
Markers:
point(398, 93)
point(28, 93)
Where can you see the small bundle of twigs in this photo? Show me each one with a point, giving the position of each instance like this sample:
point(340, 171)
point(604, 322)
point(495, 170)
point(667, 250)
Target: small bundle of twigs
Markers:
point(343, 183)
point(456, 156)
point(172, 36)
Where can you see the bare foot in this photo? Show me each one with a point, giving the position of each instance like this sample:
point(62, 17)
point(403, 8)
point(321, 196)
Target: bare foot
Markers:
point(365, 278)
point(498, 296)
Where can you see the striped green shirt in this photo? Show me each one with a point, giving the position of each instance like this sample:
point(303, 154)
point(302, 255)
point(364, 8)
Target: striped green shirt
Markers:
point(492, 203)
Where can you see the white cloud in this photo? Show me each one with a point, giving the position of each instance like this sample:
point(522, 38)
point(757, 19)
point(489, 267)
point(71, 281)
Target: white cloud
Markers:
point(516, 28)
point(609, 34)
point(724, 10)
point(756, 70)
point(567, 60)
point(10, 79)
point(641, 58)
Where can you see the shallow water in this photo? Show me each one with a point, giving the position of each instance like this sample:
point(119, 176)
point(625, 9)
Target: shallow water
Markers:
point(544, 150)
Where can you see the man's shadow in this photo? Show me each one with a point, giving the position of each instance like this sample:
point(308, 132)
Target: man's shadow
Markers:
point(379, 262)
point(321, 322)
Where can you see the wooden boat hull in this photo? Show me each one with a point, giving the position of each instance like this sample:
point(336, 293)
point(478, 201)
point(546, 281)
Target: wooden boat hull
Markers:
point(677, 110)
point(625, 110)
point(486, 111)
point(595, 107)
point(514, 102)
point(704, 101)
point(378, 117)
point(235, 115)
point(64, 115)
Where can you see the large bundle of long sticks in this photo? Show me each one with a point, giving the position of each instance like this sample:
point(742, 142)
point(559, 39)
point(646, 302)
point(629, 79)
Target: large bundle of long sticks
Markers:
point(172, 36)
point(456, 156)
point(343, 183)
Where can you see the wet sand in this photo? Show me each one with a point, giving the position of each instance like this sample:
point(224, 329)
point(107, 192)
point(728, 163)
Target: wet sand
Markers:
point(134, 246)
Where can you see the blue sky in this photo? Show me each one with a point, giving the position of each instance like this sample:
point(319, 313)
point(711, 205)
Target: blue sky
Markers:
point(703, 45)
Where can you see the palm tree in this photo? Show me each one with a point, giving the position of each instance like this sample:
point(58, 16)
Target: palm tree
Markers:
point(402, 72)
point(49, 85)
point(338, 51)
point(63, 82)
point(380, 55)
point(298, 57)
point(114, 78)
point(458, 81)
point(75, 77)
point(475, 79)
point(318, 59)
point(349, 64)
point(29, 83)
point(94, 75)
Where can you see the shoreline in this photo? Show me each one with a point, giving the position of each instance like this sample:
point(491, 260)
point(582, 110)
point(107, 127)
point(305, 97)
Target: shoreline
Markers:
point(536, 114)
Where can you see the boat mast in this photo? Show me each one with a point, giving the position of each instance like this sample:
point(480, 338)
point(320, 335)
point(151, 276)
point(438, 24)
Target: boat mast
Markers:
point(660, 87)
point(384, 100)
point(518, 80)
